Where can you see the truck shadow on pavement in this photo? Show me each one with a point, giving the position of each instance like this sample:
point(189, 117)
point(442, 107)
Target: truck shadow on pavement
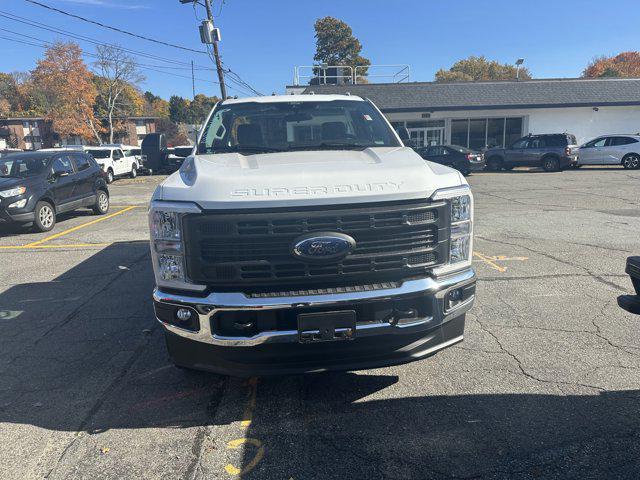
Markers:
point(83, 352)
point(341, 434)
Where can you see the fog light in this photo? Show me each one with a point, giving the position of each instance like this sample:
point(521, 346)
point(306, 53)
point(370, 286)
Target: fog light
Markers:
point(183, 314)
point(19, 204)
point(455, 295)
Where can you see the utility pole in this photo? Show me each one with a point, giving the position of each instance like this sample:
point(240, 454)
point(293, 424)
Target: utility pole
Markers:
point(193, 81)
point(216, 53)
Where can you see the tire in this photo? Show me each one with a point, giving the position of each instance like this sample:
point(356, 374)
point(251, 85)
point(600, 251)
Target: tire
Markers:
point(110, 176)
point(101, 206)
point(495, 164)
point(134, 171)
point(631, 161)
point(551, 164)
point(45, 217)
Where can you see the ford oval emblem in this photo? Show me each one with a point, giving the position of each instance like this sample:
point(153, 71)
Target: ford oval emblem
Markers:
point(319, 247)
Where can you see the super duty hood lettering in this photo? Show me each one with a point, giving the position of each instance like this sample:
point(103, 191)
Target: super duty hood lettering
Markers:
point(317, 189)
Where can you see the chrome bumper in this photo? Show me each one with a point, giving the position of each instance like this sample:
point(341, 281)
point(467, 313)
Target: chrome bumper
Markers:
point(207, 306)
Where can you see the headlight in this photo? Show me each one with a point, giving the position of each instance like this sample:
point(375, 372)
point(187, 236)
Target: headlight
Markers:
point(460, 202)
point(14, 192)
point(167, 248)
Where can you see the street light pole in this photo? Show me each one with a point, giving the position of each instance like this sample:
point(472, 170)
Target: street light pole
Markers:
point(519, 62)
point(216, 53)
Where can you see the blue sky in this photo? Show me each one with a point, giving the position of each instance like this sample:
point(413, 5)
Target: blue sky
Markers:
point(264, 39)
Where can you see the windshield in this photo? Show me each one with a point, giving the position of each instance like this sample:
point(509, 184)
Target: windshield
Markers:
point(22, 167)
point(100, 153)
point(254, 127)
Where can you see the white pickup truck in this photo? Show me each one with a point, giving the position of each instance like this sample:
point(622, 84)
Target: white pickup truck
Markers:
point(302, 236)
point(114, 161)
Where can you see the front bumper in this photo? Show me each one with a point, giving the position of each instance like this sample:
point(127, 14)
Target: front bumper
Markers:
point(279, 351)
point(17, 215)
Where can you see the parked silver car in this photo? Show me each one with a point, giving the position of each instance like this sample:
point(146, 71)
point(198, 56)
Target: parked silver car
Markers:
point(611, 150)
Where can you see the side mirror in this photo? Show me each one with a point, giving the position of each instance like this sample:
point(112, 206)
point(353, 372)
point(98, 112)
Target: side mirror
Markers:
point(403, 133)
point(56, 175)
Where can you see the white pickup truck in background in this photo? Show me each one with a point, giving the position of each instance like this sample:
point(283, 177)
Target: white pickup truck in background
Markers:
point(116, 161)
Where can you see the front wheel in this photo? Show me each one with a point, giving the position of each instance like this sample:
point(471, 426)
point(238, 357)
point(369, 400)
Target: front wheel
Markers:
point(134, 171)
point(551, 164)
point(110, 176)
point(45, 217)
point(631, 162)
point(102, 203)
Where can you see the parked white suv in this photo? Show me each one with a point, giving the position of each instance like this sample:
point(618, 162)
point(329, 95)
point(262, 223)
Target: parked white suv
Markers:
point(302, 235)
point(114, 161)
point(611, 150)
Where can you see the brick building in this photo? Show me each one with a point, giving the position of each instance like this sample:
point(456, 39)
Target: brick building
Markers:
point(33, 133)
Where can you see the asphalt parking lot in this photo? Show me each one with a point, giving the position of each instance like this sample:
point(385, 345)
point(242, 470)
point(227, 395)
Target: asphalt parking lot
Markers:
point(545, 385)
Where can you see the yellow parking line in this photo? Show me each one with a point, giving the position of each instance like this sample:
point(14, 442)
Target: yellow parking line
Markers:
point(489, 262)
point(43, 247)
point(71, 230)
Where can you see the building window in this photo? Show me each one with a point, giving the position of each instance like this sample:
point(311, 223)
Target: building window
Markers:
point(460, 132)
point(141, 123)
point(478, 133)
point(513, 130)
point(495, 132)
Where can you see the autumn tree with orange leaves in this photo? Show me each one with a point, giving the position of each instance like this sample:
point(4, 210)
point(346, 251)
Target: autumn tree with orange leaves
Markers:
point(623, 65)
point(68, 92)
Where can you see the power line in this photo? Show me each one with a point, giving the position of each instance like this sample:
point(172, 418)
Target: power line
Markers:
point(239, 84)
point(92, 55)
point(84, 38)
point(115, 29)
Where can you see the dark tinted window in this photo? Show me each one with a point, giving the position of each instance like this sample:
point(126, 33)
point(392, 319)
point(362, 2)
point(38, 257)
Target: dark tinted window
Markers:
point(555, 140)
point(597, 142)
point(100, 153)
point(82, 162)
point(614, 141)
point(522, 143)
point(21, 167)
point(539, 142)
point(62, 165)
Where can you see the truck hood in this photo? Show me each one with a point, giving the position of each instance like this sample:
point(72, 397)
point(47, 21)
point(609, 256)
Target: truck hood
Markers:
point(306, 178)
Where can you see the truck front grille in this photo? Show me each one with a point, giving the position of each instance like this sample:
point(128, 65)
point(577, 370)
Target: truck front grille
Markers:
point(249, 251)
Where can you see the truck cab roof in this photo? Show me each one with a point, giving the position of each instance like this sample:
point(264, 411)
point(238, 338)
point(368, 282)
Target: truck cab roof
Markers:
point(292, 98)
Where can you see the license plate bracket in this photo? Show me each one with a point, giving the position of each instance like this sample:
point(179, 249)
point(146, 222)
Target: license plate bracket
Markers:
point(327, 326)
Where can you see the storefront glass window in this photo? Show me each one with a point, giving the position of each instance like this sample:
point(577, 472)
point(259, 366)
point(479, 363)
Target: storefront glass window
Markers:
point(477, 133)
point(495, 132)
point(459, 132)
point(513, 130)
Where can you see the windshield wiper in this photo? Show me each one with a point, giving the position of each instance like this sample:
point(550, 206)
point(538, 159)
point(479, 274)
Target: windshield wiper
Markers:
point(333, 146)
point(248, 148)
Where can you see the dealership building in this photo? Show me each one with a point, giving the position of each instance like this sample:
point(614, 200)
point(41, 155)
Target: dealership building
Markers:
point(496, 113)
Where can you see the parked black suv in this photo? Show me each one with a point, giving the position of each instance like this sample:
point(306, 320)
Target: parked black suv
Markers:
point(454, 156)
point(36, 186)
point(553, 152)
